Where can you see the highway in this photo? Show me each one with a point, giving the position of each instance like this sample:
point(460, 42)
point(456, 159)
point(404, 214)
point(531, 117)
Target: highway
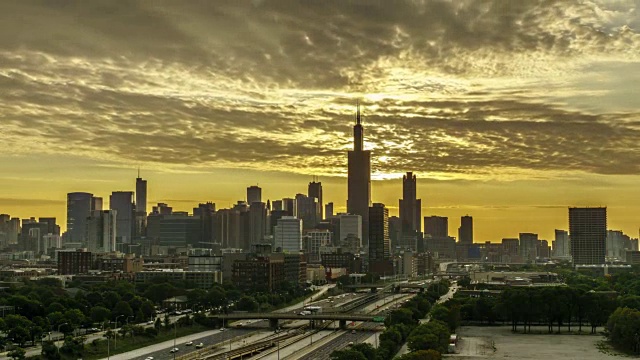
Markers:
point(235, 335)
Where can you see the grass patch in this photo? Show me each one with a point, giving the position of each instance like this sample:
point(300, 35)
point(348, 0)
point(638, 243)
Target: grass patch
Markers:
point(99, 350)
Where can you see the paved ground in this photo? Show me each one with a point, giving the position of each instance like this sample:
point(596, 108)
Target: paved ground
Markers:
point(501, 343)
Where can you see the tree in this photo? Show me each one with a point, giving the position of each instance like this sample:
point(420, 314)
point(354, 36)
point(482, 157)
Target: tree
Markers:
point(19, 335)
point(247, 303)
point(433, 335)
point(100, 314)
point(365, 349)
point(347, 354)
point(74, 317)
point(422, 355)
point(400, 316)
point(122, 309)
point(157, 324)
point(17, 354)
point(50, 351)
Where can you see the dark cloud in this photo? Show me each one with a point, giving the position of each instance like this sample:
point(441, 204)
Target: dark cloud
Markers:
point(448, 87)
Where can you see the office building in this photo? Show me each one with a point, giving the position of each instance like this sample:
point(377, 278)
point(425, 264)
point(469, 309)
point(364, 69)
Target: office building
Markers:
point(465, 231)
point(562, 246)
point(359, 178)
point(436, 226)
point(379, 242)
point(315, 240)
point(328, 210)
point(141, 194)
point(277, 205)
point(52, 226)
point(258, 273)
point(254, 194)
point(588, 232)
point(618, 243)
point(79, 207)
point(351, 225)
point(73, 262)
point(288, 234)
point(207, 214)
point(10, 227)
point(410, 206)
point(122, 203)
point(257, 222)
point(528, 246)
point(307, 211)
point(315, 191)
point(101, 231)
point(511, 246)
point(180, 230)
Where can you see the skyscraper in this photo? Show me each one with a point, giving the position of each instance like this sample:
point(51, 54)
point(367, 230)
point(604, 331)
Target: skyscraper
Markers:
point(410, 206)
point(436, 226)
point(257, 222)
point(79, 207)
point(379, 242)
point(465, 231)
point(563, 245)
point(350, 225)
point(254, 194)
point(588, 232)
point(315, 190)
point(328, 210)
point(288, 234)
point(141, 195)
point(122, 202)
point(307, 211)
point(359, 178)
point(101, 231)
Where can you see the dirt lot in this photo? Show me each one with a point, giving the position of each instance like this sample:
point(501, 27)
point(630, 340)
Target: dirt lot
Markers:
point(500, 342)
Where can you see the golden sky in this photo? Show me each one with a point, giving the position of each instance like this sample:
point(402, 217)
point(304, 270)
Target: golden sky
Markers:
point(509, 111)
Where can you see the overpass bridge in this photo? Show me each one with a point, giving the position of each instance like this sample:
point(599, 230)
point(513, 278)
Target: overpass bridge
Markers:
point(275, 317)
point(395, 287)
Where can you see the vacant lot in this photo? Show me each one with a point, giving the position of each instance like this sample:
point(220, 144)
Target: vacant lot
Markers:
point(500, 342)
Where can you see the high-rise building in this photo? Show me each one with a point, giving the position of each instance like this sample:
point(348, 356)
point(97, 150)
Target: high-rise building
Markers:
point(206, 212)
point(122, 202)
point(379, 242)
point(79, 207)
point(359, 178)
point(395, 232)
point(436, 226)
point(101, 231)
point(328, 210)
point(562, 243)
point(307, 211)
point(52, 226)
point(288, 234)
point(289, 205)
point(276, 205)
point(315, 191)
point(141, 194)
point(350, 225)
point(410, 206)
point(257, 222)
point(254, 194)
point(588, 232)
point(528, 246)
point(465, 231)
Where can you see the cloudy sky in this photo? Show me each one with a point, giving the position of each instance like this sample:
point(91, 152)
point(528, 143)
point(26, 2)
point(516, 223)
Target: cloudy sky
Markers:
point(509, 111)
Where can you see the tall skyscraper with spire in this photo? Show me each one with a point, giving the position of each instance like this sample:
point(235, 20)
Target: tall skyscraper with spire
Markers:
point(359, 178)
point(141, 194)
point(410, 212)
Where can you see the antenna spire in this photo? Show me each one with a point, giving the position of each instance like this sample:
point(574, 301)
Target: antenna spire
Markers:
point(358, 120)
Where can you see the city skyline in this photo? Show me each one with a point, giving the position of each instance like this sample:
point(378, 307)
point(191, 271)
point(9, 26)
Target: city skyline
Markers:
point(499, 113)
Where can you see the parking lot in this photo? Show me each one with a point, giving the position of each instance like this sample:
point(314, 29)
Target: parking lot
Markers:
point(500, 342)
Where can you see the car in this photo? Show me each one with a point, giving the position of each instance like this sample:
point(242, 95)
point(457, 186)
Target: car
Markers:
point(222, 329)
point(149, 358)
point(350, 343)
point(189, 343)
point(150, 322)
point(353, 331)
point(241, 325)
point(199, 346)
point(174, 350)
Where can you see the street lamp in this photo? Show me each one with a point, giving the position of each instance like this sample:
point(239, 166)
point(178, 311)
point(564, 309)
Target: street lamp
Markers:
point(59, 331)
point(115, 333)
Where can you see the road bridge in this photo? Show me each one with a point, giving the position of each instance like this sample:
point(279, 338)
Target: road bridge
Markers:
point(275, 317)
